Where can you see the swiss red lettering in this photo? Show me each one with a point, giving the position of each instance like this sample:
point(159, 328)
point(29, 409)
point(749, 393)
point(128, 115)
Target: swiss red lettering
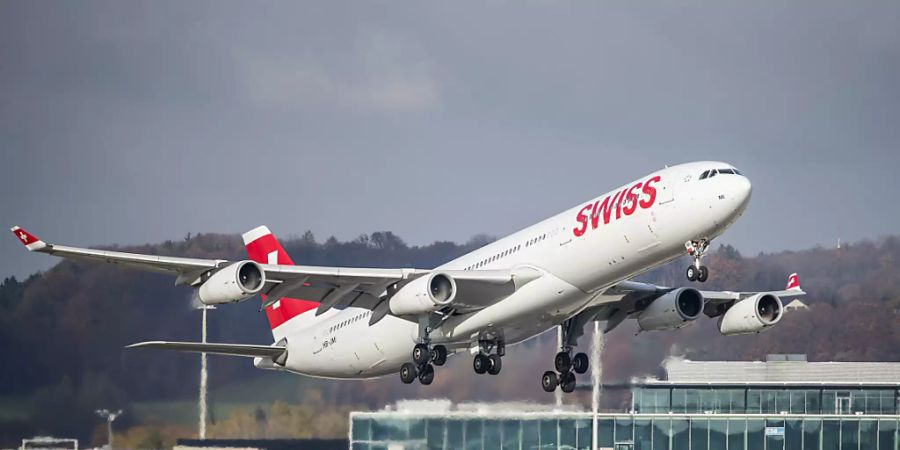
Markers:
point(650, 191)
point(605, 207)
point(582, 219)
point(631, 199)
point(621, 200)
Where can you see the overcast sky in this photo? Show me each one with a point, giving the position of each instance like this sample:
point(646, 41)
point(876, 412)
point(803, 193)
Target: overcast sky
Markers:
point(133, 122)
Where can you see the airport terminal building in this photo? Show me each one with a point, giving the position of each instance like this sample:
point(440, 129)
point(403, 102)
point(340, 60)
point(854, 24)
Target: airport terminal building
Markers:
point(784, 403)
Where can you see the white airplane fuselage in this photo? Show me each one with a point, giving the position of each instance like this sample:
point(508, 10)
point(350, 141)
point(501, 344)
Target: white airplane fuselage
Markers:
point(580, 252)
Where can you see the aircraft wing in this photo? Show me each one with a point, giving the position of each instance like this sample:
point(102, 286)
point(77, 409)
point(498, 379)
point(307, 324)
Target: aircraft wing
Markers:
point(648, 290)
point(627, 298)
point(189, 270)
point(163, 264)
point(363, 288)
point(724, 296)
point(330, 286)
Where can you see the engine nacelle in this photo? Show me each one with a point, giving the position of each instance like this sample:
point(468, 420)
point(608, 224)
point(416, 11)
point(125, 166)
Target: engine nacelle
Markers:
point(751, 315)
point(233, 283)
point(673, 310)
point(424, 295)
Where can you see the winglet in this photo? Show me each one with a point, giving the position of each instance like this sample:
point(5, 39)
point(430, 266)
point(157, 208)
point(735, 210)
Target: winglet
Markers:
point(793, 283)
point(30, 241)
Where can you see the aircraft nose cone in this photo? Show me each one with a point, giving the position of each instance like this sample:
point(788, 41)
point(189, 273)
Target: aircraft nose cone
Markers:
point(742, 189)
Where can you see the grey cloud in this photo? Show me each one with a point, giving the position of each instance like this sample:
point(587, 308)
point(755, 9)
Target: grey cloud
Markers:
point(383, 73)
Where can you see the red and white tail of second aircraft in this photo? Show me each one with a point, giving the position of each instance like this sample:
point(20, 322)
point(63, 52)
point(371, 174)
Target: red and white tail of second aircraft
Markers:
point(568, 270)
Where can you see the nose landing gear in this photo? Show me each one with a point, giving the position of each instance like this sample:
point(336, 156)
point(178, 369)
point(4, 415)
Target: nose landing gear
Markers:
point(697, 249)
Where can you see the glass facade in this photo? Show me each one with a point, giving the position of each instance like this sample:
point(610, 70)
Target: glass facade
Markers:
point(622, 432)
point(762, 400)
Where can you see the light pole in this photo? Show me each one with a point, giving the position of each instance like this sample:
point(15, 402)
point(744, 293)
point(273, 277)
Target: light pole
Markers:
point(202, 406)
point(558, 392)
point(110, 417)
point(597, 344)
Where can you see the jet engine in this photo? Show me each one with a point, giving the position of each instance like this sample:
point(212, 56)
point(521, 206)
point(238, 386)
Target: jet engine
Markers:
point(233, 283)
point(673, 310)
point(424, 295)
point(751, 315)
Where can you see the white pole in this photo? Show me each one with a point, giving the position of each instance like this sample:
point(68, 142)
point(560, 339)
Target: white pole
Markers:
point(109, 431)
point(596, 371)
point(558, 392)
point(110, 417)
point(203, 376)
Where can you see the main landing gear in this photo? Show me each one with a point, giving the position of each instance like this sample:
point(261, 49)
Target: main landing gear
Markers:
point(424, 355)
point(485, 362)
point(566, 367)
point(565, 364)
point(424, 360)
point(697, 249)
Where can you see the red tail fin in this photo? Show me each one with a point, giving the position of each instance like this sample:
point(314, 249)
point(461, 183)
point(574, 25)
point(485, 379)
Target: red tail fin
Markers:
point(263, 248)
point(793, 282)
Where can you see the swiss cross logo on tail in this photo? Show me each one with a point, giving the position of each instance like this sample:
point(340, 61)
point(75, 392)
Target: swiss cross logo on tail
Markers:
point(263, 248)
point(27, 239)
point(793, 283)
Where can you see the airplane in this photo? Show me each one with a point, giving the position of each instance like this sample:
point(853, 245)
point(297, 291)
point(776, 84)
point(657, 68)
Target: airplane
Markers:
point(566, 271)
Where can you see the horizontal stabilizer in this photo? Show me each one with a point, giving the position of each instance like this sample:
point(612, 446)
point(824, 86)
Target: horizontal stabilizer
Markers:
point(250, 351)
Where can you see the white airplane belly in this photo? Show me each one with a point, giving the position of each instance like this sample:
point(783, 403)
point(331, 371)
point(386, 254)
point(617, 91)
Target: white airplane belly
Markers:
point(358, 351)
point(545, 301)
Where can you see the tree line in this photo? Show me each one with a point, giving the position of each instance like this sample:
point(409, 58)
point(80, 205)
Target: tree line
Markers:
point(63, 332)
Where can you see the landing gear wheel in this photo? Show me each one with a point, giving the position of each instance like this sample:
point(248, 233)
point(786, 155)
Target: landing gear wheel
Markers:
point(407, 373)
point(692, 273)
point(549, 381)
point(562, 362)
point(703, 275)
point(494, 364)
point(580, 363)
point(426, 375)
point(439, 355)
point(421, 354)
point(567, 382)
point(480, 363)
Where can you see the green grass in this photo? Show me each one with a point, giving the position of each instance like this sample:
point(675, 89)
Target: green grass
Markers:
point(184, 412)
point(262, 390)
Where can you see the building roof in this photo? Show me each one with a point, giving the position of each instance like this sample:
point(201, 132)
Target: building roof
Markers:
point(779, 369)
point(796, 304)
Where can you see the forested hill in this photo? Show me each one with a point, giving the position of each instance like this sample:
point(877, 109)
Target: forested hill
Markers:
point(63, 331)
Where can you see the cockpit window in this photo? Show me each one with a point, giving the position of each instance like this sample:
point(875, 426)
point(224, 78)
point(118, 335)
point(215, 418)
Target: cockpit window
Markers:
point(713, 172)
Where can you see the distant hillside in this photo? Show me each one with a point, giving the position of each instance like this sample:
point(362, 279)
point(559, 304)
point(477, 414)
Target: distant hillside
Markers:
point(63, 330)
